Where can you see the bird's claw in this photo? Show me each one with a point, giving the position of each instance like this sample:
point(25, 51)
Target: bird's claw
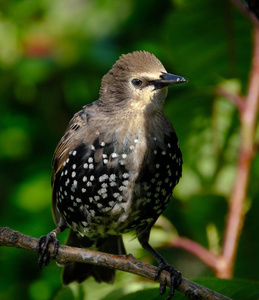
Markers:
point(43, 248)
point(162, 287)
point(175, 279)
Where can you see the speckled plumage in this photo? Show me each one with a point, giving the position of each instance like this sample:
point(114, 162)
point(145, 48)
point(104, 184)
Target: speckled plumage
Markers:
point(107, 183)
point(115, 168)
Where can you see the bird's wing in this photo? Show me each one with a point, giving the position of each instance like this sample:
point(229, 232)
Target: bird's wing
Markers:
point(67, 143)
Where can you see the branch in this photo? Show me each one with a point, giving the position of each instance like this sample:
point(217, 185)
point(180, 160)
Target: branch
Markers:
point(127, 263)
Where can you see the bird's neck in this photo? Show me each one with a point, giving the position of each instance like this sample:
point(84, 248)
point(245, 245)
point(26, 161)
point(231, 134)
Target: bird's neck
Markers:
point(149, 122)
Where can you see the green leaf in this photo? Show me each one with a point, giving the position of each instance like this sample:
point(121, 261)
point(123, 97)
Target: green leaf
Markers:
point(237, 289)
point(234, 289)
point(74, 291)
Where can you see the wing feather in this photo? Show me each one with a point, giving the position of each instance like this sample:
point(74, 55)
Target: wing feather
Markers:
point(67, 143)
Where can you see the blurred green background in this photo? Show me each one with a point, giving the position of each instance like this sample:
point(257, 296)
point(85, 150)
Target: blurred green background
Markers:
point(53, 55)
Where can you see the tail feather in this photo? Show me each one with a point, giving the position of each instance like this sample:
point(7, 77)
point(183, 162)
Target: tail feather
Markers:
point(80, 271)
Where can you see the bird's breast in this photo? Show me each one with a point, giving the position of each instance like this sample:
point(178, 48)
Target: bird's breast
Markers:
point(119, 181)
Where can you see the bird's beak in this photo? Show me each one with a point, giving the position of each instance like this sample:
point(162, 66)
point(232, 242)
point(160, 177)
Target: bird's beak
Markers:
point(167, 79)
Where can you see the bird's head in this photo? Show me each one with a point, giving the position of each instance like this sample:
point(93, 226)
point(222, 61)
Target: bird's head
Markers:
point(137, 80)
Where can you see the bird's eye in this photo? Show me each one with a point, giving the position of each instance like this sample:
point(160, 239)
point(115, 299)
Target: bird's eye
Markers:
point(136, 82)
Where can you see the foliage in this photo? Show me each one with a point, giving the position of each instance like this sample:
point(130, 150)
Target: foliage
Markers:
point(52, 58)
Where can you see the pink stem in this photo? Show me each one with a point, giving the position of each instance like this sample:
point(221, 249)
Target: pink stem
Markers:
point(248, 108)
point(205, 255)
point(235, 217)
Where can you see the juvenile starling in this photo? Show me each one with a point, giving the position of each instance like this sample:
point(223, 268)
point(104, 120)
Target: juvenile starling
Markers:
point(116, 166)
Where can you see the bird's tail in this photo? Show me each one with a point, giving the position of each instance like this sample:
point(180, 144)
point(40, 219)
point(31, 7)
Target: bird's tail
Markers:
point(80, 271)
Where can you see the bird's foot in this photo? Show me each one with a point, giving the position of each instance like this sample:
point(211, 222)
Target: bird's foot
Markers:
point(43, 248)
point(175, 278)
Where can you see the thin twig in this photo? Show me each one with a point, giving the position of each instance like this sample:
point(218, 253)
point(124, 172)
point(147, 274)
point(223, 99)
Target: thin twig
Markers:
point(127, 263)
point(236, 215)
point(246, 11)
point(234, 98)
point(247, 105)
point(204, 254)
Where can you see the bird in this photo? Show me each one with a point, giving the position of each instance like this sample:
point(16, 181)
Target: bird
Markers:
point(115, 168)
